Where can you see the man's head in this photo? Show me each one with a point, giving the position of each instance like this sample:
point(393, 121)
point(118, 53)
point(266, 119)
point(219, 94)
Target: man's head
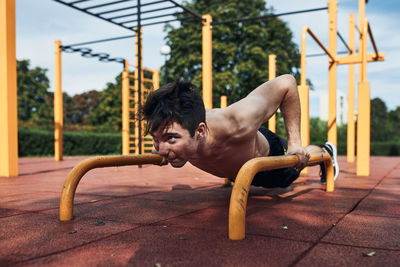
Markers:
point(175, 117)
point(174, 102)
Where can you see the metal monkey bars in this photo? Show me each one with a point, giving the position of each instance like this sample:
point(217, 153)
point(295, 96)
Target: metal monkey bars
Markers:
point(241, 187)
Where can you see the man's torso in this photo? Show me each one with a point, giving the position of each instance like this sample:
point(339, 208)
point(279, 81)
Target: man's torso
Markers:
point(228, 147)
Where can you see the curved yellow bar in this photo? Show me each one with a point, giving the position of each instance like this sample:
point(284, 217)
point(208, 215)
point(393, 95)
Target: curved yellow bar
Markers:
point(240, 191)
point(71, 183)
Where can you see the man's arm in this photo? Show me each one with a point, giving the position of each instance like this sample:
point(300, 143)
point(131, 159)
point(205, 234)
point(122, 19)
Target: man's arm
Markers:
point(263, 102)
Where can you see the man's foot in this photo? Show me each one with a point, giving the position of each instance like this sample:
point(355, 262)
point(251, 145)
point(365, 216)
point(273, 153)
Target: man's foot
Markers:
point(331, 149)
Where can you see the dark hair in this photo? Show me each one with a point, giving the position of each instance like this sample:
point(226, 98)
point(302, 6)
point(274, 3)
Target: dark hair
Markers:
point(174, 102)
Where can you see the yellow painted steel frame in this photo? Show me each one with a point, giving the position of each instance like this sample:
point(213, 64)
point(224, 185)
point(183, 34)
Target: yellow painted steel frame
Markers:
point(272, 75)
point(240, 191)
point(207, 61)
point(8, 91)
point(351, 133)
point(58, 105)
point(224, 104)
point(72, 181)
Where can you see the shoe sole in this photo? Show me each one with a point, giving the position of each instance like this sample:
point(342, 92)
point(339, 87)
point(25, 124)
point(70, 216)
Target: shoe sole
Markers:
point(334, 159)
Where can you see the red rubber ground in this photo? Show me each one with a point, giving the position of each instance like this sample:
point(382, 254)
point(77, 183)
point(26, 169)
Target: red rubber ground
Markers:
point(130, 216)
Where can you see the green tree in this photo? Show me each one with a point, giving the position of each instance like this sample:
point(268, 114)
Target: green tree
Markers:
point(80, 106)
point(107, 116)
point(380, 125)
point(240, 50)
point(34, 101)
point(394, 120)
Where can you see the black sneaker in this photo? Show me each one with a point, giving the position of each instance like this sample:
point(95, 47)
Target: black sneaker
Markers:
point(331, 149)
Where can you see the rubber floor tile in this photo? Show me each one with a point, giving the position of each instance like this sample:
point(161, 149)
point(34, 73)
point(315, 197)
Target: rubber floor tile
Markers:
point(380, 202)
point(128, 210)
point(366, 231)
point(41, 201)
point(299, 226)
point(334, 255)
point(170, 246)
point(33, 235)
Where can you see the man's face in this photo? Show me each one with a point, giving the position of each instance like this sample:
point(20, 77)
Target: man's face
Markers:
point(175, 144)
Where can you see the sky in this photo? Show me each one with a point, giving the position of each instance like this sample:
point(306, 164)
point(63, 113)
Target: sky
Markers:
point(40, 23)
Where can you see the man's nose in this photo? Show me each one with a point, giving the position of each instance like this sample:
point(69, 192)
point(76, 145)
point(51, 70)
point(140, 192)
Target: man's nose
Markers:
point(163, 149)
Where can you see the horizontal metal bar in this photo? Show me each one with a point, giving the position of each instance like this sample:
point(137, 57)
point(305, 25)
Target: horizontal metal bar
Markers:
point(356, 59)
point(79, 1)
point(107, 4)
point(143, 12)
point(92, 14)
point(267, 16)
point(115, 10)
point(149, 18)
point(323, 54)
point(187, 10)
point(102, 40)
point(165, 21)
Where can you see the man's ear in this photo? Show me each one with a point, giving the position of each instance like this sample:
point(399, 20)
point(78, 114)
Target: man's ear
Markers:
point(201, 131)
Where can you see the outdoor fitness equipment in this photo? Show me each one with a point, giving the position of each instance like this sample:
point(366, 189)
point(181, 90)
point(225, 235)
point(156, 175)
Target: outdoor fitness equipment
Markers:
point(240, 191)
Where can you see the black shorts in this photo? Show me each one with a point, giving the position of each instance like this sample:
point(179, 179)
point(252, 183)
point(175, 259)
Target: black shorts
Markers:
point(279, 177)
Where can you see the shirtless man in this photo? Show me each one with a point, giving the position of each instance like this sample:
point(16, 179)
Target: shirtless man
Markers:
point(220, 141)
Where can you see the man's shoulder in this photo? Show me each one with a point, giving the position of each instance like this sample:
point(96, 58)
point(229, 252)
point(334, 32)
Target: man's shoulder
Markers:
point(223, 126)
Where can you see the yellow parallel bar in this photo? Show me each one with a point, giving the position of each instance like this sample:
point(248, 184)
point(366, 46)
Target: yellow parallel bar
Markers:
point(351, 97)
point(207, 61)
point(58, 105)
point(272, 75)
point(72, 181)
point(8, 91)
point(240, 191)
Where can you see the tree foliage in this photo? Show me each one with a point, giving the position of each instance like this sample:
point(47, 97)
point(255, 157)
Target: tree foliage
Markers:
point(34, 100)
point(107, 115)
point(240, 50)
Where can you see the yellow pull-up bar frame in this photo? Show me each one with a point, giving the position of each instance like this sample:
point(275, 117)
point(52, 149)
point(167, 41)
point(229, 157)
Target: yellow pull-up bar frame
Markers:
point(238, 202)
point(241, 187)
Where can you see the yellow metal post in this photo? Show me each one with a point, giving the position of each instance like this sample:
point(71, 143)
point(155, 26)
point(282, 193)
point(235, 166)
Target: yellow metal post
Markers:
point(125, 109)
point(8, 91)
point(304, 93)
point(224, 101)
point(351, 99)
point(224, 104)
point(332, 125)
point(156, 79)
point(136, 93)
point(364, 110)
point(272, 75)
point(58, 105)
point(207, 61)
